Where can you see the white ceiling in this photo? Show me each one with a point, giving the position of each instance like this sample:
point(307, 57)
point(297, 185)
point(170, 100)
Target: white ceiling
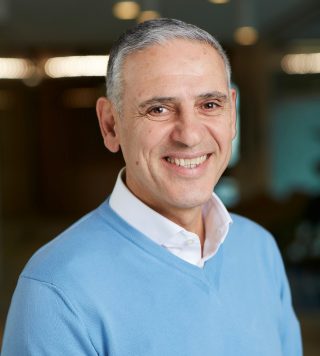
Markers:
point(72, 25)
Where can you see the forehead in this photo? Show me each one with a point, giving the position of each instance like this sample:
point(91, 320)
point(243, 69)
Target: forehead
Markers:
point(174, 61)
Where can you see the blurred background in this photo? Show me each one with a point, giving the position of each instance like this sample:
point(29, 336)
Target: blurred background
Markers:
point(54, 167)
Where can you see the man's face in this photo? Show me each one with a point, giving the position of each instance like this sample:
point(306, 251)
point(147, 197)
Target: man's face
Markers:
point(177, 124)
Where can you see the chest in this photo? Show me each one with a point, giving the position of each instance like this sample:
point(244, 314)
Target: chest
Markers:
point(165, 313)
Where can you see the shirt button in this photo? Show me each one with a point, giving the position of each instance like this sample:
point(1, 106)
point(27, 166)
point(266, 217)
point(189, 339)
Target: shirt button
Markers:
point(190, 242)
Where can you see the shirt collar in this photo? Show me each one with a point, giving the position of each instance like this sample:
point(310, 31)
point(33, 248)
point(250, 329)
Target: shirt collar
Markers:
point(152, 224)
point(164, 231)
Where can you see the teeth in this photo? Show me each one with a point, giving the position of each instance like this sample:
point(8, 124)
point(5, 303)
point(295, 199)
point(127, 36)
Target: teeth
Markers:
point(187, 162)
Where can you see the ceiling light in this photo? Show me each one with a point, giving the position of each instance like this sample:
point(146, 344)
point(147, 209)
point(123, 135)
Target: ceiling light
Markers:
point(246, 35)
point(126, 10)
point(218, 1)
point(148, 15)
point(76, 66)
point(303, 63)
point(15, 68)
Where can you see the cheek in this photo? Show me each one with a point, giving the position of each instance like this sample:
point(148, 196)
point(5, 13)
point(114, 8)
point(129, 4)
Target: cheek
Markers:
point(222, 130)
point(136, 148)
point(151, 138)
point(217, 132)
point(143, 143)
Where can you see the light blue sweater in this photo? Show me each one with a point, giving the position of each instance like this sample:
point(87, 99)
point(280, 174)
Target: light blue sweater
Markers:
point(103, 288)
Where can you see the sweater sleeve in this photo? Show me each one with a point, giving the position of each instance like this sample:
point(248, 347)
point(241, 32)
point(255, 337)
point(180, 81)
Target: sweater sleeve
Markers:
point(289, 325)
point(41, 321)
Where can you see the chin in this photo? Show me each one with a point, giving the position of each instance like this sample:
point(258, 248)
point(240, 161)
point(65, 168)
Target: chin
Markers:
point(189, 201)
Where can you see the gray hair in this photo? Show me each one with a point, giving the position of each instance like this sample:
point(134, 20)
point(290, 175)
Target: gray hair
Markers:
point(145, 35)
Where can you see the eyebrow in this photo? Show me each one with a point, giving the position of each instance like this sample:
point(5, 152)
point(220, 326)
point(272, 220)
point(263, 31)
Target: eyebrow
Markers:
point(157, 99)
point(167, 99)
point(214, 95)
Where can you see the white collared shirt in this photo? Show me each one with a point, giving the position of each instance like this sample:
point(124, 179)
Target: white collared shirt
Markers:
point(164, 232)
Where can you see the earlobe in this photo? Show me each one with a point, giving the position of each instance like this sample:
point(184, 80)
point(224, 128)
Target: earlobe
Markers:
point(107, 123)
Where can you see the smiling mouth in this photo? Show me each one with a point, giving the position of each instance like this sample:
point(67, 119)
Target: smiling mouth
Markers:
point(187, 162)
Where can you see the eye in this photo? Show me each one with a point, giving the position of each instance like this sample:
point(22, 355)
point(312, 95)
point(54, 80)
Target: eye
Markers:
point(210, 105)
point(157, 110)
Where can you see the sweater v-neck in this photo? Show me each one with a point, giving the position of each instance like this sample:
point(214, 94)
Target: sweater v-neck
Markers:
point(208, 276)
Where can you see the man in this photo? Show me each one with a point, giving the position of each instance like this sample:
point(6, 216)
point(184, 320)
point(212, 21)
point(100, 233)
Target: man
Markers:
point(160, 268)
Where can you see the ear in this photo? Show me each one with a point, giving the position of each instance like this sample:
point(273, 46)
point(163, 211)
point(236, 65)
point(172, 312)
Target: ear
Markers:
point(233, 94)
point(107, 122)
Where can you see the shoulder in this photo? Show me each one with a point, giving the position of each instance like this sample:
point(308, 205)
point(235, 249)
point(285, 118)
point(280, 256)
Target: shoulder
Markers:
point(249, 237)
point(241, 223)
point(250, 248)
point(246, 229)
point(75, 252)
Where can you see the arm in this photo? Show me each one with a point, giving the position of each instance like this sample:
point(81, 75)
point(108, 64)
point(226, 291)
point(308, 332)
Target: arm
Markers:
point(41, 321)
point(290, 328)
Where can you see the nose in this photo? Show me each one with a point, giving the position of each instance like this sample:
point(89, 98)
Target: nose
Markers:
point(188, 129)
